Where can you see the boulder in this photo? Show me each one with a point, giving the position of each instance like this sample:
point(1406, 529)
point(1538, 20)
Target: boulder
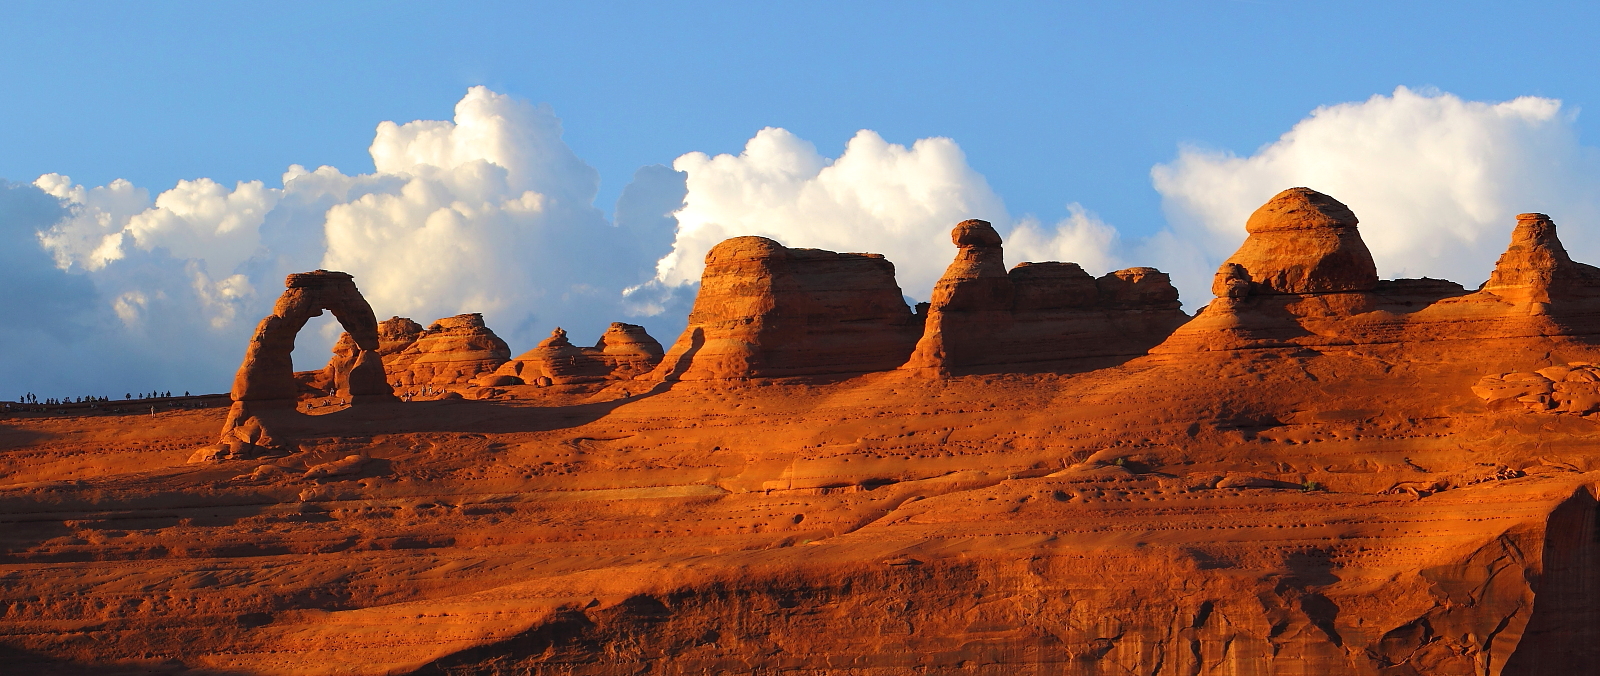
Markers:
point(766, 310)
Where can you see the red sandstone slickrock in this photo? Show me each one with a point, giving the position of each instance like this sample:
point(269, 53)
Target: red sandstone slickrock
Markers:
point(1321, 473)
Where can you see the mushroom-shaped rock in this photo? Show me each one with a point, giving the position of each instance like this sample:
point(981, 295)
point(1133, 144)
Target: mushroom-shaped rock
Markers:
point(1302, 241)
point(972, 302)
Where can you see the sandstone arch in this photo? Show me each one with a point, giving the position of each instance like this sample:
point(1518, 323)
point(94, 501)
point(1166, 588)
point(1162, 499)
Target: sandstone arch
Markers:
point(265, 380)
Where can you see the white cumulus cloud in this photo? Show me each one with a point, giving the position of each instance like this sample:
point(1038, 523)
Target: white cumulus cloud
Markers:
point(1436, 181)
point(875, 197)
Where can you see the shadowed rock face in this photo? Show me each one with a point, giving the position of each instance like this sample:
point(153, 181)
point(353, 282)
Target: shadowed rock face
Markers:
point(266, 378)
point(766, 310)
point(983, 316)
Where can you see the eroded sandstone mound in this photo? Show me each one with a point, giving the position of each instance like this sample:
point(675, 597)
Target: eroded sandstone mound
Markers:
point(451, 351)
point(983, 316)
point(766, 310)
point(624, 352)
point(1323, 291)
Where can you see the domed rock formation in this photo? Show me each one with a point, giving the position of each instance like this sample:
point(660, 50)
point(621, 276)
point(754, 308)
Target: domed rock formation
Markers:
point(983, 316)
point(451, 351)
point(1320, 291)
point(1302, 241)
point(265, 381)
point(623, 352)
point(766, 310)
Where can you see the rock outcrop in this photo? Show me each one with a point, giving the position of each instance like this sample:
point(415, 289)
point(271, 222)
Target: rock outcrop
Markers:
point(624, 351)
point(265, 381)
point(766, 310)
point(1302, 241)
point(983, 316)
point(451, 351)
point(1537, 269)
point(1303, 278)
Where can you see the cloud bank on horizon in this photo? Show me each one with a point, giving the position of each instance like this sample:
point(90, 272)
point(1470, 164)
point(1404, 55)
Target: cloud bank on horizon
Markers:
point(492, 212)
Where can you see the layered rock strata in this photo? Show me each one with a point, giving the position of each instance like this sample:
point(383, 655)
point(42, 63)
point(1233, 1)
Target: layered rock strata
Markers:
point(451, 351)
point(266, 382)
point(624, 352)
point(981, 315)
point(766, 310)
point(1303, 278)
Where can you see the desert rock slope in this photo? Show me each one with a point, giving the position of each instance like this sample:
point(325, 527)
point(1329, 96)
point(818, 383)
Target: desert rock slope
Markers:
point(1322, 472)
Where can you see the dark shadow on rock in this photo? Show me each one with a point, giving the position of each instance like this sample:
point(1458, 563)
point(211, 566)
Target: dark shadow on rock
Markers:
point(1563, 635)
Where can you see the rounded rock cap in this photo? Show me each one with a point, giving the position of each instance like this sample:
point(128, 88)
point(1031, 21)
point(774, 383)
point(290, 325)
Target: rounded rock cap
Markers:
point(745, 248)
point(1533, 216)
point(1300, 209)
point(974, 232)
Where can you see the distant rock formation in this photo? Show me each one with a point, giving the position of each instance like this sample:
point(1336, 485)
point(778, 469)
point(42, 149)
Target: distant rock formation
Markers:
point(266, 381)
point(1537, 269)
point(451, 351)
point(1302, 241)
point(766, 310)
point(983, 316)
point(1304, 278)
point(623, 352)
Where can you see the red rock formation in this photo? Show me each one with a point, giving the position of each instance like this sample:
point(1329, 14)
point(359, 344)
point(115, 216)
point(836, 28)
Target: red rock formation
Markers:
point(1536, 268)
point(1349, 496)
point(266, 382)
point(983, 316)
point(1324, 293)
point(1302, 241)
point(765, 310)
point(451, 351)
point(623, 352)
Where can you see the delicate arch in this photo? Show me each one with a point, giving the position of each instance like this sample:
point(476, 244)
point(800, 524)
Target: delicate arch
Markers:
point(268, 370)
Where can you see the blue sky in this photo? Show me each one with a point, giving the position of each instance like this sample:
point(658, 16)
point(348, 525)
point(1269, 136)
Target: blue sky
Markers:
point(1053, 102)
point(1111, 134)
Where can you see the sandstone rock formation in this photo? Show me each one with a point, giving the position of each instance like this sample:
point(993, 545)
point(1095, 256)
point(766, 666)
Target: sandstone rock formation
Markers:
point(983, 316)
point(1302, 241)
point(1299, 482)
point(1304, 278)
point(766, 310)
point(1536, 268)
point(266, 382)
point(451, 351)
point(624, 352)
point(1572, 388)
